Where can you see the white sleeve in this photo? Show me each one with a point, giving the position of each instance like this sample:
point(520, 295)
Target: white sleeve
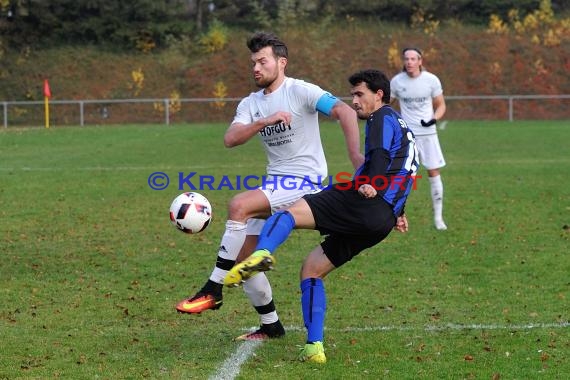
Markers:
point(243, 113)
point(393, 94)
point(436, 88)
point(308, 94)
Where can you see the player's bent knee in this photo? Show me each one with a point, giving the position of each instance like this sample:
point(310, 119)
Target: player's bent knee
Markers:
point(316, 264)
point(308, 271)
point(240, 209)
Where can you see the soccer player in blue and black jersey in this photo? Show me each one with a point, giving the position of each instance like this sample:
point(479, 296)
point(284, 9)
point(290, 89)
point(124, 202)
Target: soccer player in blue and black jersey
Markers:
point(353, 215)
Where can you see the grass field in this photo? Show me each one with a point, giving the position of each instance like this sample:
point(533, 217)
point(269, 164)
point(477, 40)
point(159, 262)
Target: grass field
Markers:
point(91, 268)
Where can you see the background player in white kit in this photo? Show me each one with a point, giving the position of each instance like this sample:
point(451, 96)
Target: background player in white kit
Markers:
point(422, 104)
point(284, 114)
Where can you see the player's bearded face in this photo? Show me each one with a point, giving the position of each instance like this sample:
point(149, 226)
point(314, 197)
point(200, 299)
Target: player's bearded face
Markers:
point(265, 67)
point(364, 101)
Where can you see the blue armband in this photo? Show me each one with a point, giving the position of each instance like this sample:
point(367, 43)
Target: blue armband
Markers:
point(326, 103)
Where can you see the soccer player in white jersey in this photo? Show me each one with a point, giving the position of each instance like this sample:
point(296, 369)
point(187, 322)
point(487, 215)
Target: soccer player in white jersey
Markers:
point(284, 115)
point(422, 104)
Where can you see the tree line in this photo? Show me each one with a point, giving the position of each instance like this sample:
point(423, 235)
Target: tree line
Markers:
point(140, 24)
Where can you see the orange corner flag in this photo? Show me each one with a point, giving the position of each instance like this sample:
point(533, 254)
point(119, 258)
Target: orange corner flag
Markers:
point(47, 92)
point(47, 95)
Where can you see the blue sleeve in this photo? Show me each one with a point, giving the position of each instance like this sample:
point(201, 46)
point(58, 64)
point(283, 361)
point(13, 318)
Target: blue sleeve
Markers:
point(325, 103)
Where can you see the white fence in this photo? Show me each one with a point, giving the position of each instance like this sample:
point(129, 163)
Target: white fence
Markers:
point(122, 111)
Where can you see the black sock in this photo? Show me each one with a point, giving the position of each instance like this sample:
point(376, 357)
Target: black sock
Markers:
point(212, 287)
point(274, 329)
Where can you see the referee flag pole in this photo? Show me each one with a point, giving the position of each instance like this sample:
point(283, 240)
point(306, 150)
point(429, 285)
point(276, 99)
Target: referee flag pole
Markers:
point(47, 95)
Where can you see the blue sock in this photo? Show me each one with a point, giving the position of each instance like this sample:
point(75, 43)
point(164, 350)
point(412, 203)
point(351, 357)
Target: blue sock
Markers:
point(314, 304)
point(275, 231)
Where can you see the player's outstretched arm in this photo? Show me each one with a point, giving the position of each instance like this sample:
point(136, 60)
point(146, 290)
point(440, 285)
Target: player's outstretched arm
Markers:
point(239, 133)
point(349, 124)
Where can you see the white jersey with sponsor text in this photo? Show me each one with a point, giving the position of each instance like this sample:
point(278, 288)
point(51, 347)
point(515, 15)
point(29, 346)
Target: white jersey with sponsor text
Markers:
point(295, 149)
point(415, 96)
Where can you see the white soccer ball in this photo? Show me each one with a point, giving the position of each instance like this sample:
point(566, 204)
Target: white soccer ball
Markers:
point(191, 212)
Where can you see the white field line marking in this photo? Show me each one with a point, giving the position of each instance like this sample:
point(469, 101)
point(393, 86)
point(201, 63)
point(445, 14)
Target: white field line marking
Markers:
point(231, 366)
point(446, 327)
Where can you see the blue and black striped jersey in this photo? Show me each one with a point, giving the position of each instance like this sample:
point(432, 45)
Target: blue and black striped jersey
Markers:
point(391, 158)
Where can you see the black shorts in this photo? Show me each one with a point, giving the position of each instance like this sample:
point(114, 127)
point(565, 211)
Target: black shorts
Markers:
point(351, 222)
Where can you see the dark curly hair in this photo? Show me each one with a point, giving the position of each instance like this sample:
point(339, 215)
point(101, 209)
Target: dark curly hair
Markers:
point(259, 40)
point(375, 80)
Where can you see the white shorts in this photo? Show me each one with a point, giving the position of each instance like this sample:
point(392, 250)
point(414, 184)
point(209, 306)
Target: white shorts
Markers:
point(281, 192)
point(429, 151)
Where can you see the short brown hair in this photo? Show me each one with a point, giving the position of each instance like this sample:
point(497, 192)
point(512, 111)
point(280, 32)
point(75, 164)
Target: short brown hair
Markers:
point(259, 40)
